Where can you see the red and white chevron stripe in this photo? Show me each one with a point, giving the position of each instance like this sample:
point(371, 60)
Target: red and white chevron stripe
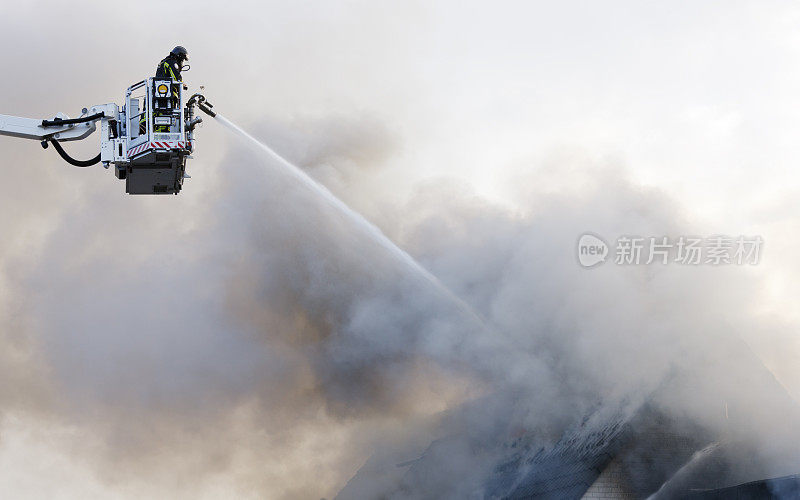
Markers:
point(157, 145)
point(168, 145)
point(138, 149)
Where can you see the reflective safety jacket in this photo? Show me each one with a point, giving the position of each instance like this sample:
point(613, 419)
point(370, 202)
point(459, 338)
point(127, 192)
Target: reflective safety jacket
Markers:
point(169, 67)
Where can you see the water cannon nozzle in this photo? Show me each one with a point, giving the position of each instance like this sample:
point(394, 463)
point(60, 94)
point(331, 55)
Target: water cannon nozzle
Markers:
point(205, 107)
point(202, 103)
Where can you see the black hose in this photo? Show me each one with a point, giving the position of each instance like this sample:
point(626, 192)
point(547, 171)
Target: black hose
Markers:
point(56, 122)
point(69, 159)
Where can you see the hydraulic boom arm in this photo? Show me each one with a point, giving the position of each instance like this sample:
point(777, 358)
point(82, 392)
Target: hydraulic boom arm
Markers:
point(61, 128)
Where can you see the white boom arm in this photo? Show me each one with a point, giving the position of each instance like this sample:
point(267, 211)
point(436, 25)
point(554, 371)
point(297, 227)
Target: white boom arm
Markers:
point(30, 128)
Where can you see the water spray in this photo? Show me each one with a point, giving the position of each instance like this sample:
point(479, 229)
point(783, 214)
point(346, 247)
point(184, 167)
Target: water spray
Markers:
point(475, 324)
point(356, 218)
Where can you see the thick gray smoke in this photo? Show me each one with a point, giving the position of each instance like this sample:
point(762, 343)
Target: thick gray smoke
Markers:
point(265, 345)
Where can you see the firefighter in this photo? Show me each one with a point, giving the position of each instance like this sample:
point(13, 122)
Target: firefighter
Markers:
point(169, 67)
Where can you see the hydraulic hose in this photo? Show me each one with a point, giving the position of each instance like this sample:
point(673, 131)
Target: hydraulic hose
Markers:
point(56, 122)
point(68, 158)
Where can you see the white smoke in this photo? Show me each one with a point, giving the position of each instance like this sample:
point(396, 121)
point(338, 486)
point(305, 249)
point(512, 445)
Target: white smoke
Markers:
point(271, 329)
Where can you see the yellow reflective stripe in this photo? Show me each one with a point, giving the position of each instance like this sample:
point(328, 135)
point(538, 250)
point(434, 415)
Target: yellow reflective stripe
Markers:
point(169, 68)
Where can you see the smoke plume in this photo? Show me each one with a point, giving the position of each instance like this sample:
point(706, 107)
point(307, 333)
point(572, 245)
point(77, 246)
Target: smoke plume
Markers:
point(270, 346)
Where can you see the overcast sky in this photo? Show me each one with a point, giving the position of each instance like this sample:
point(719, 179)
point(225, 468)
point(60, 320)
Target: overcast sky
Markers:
point(697, 100)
